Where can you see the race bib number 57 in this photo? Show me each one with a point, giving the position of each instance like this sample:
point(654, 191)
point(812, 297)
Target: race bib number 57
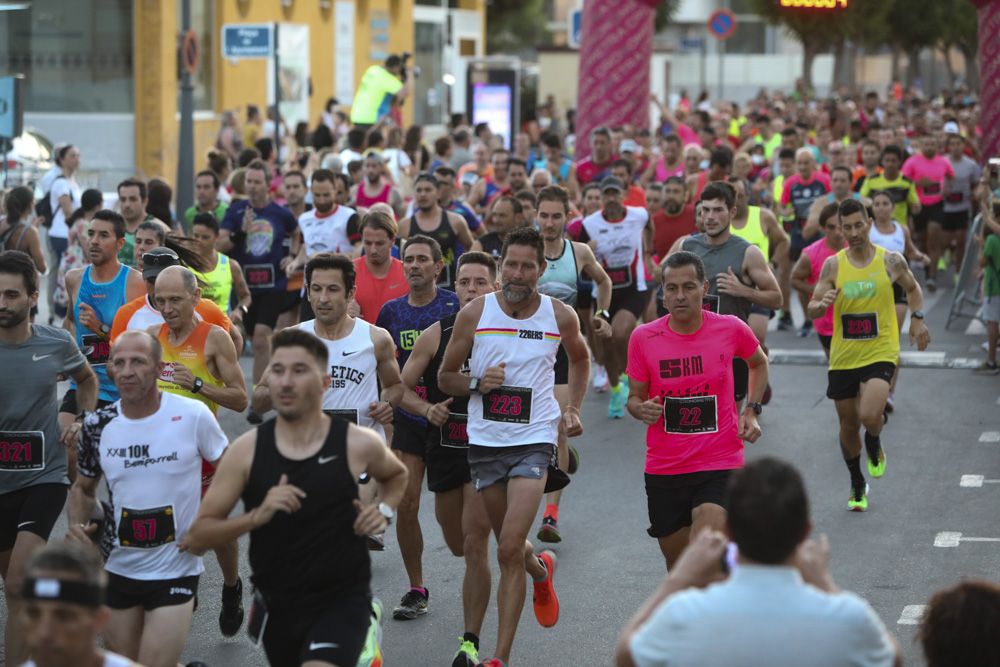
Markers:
point(146, 529)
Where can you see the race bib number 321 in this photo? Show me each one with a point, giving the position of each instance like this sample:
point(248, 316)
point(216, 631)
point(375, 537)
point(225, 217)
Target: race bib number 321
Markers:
point(22, 450)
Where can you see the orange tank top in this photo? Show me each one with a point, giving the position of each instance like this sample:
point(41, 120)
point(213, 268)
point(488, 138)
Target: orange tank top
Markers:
point(190, 353)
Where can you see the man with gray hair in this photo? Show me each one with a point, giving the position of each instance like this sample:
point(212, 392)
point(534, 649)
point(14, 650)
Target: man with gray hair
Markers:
point(149, 446)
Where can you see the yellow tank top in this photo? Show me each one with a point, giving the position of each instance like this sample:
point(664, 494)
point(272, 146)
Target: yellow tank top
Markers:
point(753, 231)
point(779, 187)
point(864, 316)
point(218, 283)
point(190, 353)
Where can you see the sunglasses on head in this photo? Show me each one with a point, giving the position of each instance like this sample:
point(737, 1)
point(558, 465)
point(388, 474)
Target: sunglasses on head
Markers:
point(151, 259)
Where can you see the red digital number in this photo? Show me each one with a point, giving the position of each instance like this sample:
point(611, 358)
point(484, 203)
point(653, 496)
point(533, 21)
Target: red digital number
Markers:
point(690, 417)
point(15, 452)
point(259, 276)
point(457, 432)
point(144, 529)
point(515, 405)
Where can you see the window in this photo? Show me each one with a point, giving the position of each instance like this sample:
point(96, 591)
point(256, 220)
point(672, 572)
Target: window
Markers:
point(750, 37)
point(75, 56)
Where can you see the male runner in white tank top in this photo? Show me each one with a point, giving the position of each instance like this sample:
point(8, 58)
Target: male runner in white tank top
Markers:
point(514, 418)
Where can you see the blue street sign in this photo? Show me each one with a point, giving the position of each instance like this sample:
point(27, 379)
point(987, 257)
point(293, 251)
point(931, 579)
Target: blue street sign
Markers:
point(722, 24)
point(575, 28)
point(692, 43)
point(11, 112)
point(247, 40)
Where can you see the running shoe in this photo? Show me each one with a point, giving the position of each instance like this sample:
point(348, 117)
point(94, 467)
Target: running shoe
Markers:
point(545, 601)
point(616, 406)
point(371, 651)
point(467, 655)
point(785, 322)
point(231, 615)
point(413, 604)
point(601, 384)
point(623, 383)
point(767, 395)
point(986, 368)
point(890, 403)
point(876, 466)
point(931, 285)
point(375, 542)
point(574, 460)
point(549, 532)
point(493, 662)
point(806, 329)
point(858, 500)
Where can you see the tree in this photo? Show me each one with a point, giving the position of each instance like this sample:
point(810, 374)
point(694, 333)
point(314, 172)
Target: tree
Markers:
point(914, 26)
point(515, 27)
point(665, 12)
point(961, 31)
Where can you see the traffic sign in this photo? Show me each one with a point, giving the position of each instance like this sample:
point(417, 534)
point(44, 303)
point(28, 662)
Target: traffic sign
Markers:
point(11, 107)
point(247, 40)
point(722, 24)
point(692, 43)
point(189, 51)
point(574, 27)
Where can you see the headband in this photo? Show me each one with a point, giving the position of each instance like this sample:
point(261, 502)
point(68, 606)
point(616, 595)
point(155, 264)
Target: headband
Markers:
point(73, 592)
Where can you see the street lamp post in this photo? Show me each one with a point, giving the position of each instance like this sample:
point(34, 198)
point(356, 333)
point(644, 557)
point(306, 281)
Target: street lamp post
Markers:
point(185, 157)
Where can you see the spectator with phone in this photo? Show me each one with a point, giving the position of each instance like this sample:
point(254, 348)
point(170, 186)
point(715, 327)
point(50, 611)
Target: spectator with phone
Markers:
point(780, 603)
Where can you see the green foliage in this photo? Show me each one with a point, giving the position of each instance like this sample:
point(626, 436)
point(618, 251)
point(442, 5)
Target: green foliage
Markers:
point(514, 27)
point(665, 11)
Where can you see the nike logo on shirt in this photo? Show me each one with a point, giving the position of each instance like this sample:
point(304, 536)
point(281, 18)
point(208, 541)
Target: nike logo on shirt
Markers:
point(35, 357)
point(327, 459)
point(317, 645)
point(346, 353)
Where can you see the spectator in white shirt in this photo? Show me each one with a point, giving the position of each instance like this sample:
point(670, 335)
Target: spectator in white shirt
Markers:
point(778, 608)
point(64, 198)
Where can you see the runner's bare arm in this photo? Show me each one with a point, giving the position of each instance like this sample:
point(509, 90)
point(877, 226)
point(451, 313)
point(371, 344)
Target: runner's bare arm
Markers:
point(776, 236)
point(72, 280)
point(899, 273)
point(640, 405)
point(825, 291)
point(420, 357)
point(82, 501)
point(910, 251)
point(396, 202)
point(404, 228)
point(135, 286)
point(758, 375)
point(222, 355)
point(676, 247)
point(588, 264)
point(811, 227)
point(576, 349)
point(260, 399)
point(367, 452)
point(87, 388)
point(767, 292)
point(213, 527)
point(800, 274)
point(387, 367)
point(450, 378)
point(461, 229)
point(476, 245)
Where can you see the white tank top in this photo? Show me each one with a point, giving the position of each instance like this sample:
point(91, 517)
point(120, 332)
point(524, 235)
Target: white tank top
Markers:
point(353, 372)
point(894, 242)
point(110, 660)
point(327, 233)
point(619, 246)
point(524, 411)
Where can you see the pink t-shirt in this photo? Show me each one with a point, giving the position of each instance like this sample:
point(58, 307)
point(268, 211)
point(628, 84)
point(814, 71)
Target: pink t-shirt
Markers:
point(818, 252)
point(936, 168)
point(693, 374)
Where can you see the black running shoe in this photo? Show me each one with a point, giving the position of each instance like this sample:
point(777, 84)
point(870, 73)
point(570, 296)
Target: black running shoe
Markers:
point(412, 605)
point(231, 615)
point(375, 542)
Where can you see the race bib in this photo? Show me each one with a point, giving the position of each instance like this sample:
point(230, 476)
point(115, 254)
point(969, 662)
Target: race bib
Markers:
point(620, 276)
point(694, 414)
point(954, 198)
point(22, 450)
point(346, 415)
point(453, 431)
point(508, 404)
point(259, 276)
point(859, 326)
point(95, 349)
point(933, 189)
point(146, 529)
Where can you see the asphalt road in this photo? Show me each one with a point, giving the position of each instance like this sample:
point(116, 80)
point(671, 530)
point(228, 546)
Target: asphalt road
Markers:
point(942, 488)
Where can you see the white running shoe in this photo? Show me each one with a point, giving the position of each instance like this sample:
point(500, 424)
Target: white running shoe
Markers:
point(601, 384)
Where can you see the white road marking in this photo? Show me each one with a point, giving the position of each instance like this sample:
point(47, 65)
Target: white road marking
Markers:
point(990, 436)
point(950, 539)
point(972, 481)
point(975, 328)
point(911, 614)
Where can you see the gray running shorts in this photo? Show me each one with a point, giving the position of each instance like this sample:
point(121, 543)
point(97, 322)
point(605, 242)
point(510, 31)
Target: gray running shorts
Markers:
point(490, 465)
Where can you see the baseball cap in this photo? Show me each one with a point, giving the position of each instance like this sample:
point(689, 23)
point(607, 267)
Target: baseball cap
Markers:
point(156, 260)
point(612, 183)
point(628, 146)
point(951, 127)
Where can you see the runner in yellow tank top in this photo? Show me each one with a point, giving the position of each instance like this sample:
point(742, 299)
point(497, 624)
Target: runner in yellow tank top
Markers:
point(864, 350)
point(227, 276)
point(201, 363)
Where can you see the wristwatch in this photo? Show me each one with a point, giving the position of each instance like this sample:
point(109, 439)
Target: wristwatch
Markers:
point(198, 384)
point(756, 407)
point(474, 385)
point(604, 315)
point(105, 330)
point(387, 512)
point(917, 314)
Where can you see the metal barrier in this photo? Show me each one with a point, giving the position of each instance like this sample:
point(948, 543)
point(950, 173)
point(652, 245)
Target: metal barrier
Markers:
point(968, 296)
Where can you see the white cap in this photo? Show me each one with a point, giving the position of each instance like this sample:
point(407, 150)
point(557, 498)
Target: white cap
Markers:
point(628, 146)
point(951, 127)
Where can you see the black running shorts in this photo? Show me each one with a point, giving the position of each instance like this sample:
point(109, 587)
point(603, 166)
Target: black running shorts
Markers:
point(409, 436)
point(333, 633)
point(844, 384)
point(629, 299)
point(670, 499)
point(125, 593)
point(447, 467)
point(34, 509)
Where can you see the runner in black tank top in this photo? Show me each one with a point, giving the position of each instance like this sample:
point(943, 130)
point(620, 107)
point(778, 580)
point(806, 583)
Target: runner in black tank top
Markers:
point(296, 475)
point(452, 229)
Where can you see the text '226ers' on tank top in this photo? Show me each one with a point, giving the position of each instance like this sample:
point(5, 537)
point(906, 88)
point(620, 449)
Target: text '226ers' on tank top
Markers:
point(353, 373)
point(524, 411)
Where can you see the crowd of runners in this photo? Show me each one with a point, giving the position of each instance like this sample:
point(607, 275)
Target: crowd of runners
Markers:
point(442, 312)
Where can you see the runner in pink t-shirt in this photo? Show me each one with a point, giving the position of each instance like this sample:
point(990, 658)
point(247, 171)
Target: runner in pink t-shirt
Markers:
point(680, 370)
point(932, 174)
point(810, 264)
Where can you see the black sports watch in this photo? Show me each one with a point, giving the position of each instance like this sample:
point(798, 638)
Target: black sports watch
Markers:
point(474, 385)
point(756, 407)
point(198, 384)
point(917, 314)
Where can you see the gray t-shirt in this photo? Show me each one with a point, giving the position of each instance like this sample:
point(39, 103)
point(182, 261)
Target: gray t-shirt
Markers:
point(30, 451)
point(967, 174)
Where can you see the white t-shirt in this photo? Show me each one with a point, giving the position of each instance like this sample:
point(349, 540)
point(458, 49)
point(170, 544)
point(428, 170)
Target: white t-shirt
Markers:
point(60, 187)
point(153, 469)
point(396, 160)
point(762, 615)
point(110, 660)
point(347, 156)
point(329, 233)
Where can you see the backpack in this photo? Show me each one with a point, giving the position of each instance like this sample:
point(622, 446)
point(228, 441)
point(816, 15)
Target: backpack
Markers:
point(43, 209)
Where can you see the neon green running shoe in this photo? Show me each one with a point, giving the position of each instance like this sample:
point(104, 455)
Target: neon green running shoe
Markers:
point(371, 652)
point(623, 383)
point(858, 500)
point(467, 655)
point(616, 406)
point(877, 468)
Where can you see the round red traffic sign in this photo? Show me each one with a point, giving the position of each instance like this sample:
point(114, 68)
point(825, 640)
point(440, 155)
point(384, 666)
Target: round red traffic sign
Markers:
point(189, 51)
point(722, 24)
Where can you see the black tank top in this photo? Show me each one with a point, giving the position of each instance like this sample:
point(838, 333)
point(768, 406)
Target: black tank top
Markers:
point(434, 393)
point(448, 240)
point(314, 552)
point(492, 244)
